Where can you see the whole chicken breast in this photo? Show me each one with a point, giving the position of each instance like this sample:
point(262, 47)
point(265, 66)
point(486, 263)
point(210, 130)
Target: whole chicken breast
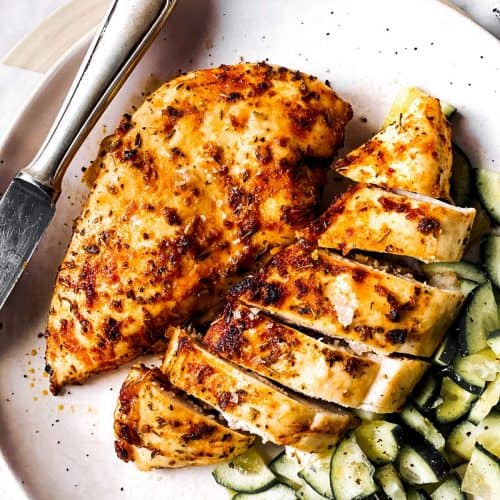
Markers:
point(214, 169)
point(370, 218)
point(157, 426)
point(412, 152)
point(329, 371)
point(251, 403)
point(372, 309)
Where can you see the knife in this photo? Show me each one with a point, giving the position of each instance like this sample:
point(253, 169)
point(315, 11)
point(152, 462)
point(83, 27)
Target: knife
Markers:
point(28, 204)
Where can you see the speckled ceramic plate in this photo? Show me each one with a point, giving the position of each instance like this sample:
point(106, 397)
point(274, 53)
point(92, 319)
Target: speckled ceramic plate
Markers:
point(60, 448)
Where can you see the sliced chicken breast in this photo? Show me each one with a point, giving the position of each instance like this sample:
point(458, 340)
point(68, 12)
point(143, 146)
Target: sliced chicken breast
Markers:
point(412, 151)
point(216, 167)
point(156, 426)
point(251, 403)
point(334, 296)
point(367, 217)
point(329, 371)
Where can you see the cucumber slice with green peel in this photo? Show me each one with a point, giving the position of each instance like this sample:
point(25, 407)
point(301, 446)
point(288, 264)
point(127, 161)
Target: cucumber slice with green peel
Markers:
point(467, 286)
point(449, 489)
point(447, 350)
point(379, 440)
point(388, 479)
point(490, 253)
point(455, 401)
point(247, 473)
point(276, 492)
point(416, 421)
point(488, 399)
point(478, 368)
point(493, 341)
point(414, 494)
point(482, 476)
point(287, 470)
point(464, 270)
point(427, 393)
point(488, 190)
point(462, 438)
point(421, 463)
point(461, 179)
point(489, 433)
point(351, 473)
point(447, 109)
point(317, 476)
point(479, 317)
point(306, 492)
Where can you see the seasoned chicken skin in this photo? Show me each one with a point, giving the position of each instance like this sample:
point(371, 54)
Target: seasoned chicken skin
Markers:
point(156, 426)
point(216, 167)
point(367, 217)
point(412, 152)
point(329, 371)
point(374, 310)
point(249, 402)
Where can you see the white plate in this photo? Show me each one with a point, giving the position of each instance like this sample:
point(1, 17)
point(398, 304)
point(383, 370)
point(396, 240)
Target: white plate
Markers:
point(59, 448)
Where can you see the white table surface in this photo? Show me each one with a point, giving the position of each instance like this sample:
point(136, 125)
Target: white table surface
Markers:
point(19, 17)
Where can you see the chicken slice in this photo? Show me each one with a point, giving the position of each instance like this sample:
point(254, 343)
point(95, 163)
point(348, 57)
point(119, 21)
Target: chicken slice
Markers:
point(251, 403)
point(216, 167)
point(412, 151)
point(367, 217)
point(374, 310)
point(329, 371)
point(158, 426)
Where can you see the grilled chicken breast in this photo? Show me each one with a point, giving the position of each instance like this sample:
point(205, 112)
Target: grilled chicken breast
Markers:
point(412, 152)
point(331, 372)
point(367, 217)
point(156, 426)
point(215, 168)
point(369, 307)
point(249, 402)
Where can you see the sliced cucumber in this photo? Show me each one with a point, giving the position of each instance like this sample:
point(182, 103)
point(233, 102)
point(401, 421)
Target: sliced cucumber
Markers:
point(482, 476)
point(478, 368)
point(379, 440)
point(461, 179)
point(416, 421)
point(449, 489)
point(414, 494)
point(276, 492)
point(455, 401)
point(462, 438)
point(388, 479)
point(420, 463)
point(489, 433)
point(317, 476)
point(247, 473)
point(427, 393)
point(488, 189)
point(463, 270)
point(305, 492)
point(490, 252)
point(494, 342)
point(287, 470)
point(447, 350)
point(478, 319)
point(351, 473)
point(488, 399)
point(467, 286)
point(447, 109)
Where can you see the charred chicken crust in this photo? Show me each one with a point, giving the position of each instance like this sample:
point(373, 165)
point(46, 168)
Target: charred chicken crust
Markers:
point(216, 167)
point(156, 425)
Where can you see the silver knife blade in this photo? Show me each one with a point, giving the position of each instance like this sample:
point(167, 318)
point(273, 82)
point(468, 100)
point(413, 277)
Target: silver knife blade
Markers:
point(25, 212)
